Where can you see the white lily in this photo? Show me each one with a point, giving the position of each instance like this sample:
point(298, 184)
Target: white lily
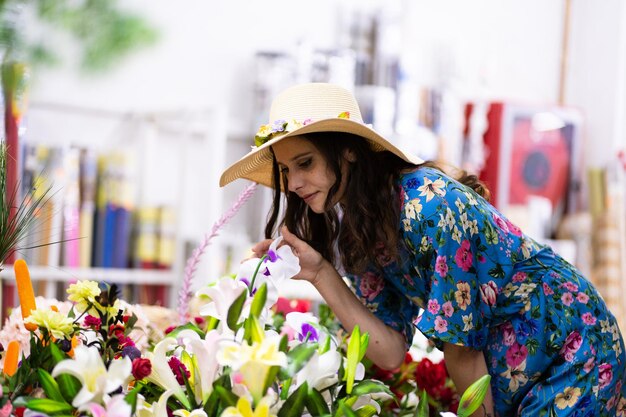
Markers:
point(116, 406)
point(253, 362)
point(222, 295)
point(321, 371)
point(206, 365)
point(162, 374)
point(96, 380)
point(195, 413)
point(157, 409)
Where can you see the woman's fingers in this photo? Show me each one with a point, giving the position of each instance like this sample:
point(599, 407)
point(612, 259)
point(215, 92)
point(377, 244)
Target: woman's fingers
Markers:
point(261, 248)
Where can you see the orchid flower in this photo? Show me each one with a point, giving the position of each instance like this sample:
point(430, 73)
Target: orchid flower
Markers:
point(281, 264)
point(222, 296)
point(305, 325)
point(115, 406)
point(246, 274)
point(162, 374)
point(96, 380)
point(253, 362)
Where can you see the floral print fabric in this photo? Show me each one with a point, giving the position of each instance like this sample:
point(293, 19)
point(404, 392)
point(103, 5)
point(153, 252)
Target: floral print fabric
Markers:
point(551, 345)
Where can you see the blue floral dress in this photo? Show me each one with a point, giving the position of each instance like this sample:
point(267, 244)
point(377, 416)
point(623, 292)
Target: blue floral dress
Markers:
point(551, 346)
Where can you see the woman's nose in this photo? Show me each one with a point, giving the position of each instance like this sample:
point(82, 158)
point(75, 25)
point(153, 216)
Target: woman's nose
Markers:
point(295, 182)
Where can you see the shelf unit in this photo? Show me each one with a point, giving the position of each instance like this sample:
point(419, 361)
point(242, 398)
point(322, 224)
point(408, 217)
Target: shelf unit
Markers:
point(182, 152)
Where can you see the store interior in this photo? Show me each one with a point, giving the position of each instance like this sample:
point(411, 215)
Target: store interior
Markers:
point(529, 95)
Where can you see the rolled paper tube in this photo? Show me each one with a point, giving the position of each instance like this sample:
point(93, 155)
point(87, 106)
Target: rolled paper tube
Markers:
point(25, 291)
point(11, 357)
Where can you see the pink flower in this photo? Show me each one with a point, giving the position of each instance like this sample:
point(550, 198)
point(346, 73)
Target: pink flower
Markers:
point(590, 364)
point(567, 298)
point(463, 257)
point(606, 374)
point(582, 297)
point(516, 354)
point(441, 325)
point(571, 345)
point(570, 286)
point(500, 222)
point(488, 293)
point(547, 290)
point(513, 229)
point(519, 277)
point(371, 285)
point(589, 319)
point(441, 266)
point(508, 334)
point(433, 306)
point(447, 308)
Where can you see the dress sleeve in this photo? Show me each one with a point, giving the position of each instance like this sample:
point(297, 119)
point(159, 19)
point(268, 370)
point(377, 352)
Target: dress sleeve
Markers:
point(441, 230)
point(383, 299)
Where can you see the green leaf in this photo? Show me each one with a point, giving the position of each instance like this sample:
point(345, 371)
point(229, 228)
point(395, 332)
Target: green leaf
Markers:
point(294, 405)
point(68, 385)
point(369, 386)
point(473, 396)
point(367, 410)
point(316, 404)
point(50, 386)
point(297, 358)
point(226, 396)
point(47, 406)
point(253, 331)
point(212, 404)
point(187, 326)
point(234, 312)
point(354, 351)
point(422, 407)
point(345, 409)
point(365, 340)
point(258, 302)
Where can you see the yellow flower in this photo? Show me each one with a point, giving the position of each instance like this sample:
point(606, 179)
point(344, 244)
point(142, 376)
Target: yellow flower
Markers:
point(83, 293)
point(244, 409)
point(59, 325)
point(253, 362)
point(567, 398)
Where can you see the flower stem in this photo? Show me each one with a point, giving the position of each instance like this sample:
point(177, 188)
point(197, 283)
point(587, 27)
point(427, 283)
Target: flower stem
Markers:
point(256, 271)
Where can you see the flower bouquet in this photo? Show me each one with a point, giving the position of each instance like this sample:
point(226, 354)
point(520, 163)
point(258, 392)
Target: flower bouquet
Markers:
point(239, 360)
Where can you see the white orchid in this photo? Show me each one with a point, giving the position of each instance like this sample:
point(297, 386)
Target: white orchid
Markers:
point(281, 263)
point(96, 380)
point(305, 325)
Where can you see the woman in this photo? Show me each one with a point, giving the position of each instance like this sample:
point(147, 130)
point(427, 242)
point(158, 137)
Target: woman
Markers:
point(409, 236)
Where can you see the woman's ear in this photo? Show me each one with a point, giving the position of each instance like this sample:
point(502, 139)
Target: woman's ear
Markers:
point(349, 155)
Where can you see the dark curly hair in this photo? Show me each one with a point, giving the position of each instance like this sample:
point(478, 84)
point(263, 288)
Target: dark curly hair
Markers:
point(367, 223)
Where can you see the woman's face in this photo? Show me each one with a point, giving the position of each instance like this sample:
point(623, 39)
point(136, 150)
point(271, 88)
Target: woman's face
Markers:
point(308, 174)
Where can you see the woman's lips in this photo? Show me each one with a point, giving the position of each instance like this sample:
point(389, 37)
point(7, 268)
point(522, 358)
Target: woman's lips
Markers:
point(308, 197)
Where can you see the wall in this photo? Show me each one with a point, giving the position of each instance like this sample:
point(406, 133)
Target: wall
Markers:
point(203, 65)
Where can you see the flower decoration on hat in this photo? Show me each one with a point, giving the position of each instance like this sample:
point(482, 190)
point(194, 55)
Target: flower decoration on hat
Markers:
point(268, 131)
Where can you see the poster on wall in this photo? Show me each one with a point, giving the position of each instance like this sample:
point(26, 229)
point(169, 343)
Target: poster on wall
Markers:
point(533, 150)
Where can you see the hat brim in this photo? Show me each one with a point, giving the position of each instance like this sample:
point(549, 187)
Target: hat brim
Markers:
point(257, 164)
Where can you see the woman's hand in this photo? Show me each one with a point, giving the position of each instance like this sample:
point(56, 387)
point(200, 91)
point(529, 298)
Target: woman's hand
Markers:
point(311, 262)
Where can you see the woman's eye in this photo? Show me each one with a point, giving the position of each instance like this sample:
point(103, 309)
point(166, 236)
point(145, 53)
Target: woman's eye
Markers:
point(305, 163)
point(284, 170)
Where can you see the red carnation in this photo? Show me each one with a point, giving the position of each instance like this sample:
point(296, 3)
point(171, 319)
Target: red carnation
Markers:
point(91, 321)
point(142, 367)
point(179, 369)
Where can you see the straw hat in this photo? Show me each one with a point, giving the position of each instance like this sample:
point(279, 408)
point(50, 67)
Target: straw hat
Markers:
point(306, 108)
